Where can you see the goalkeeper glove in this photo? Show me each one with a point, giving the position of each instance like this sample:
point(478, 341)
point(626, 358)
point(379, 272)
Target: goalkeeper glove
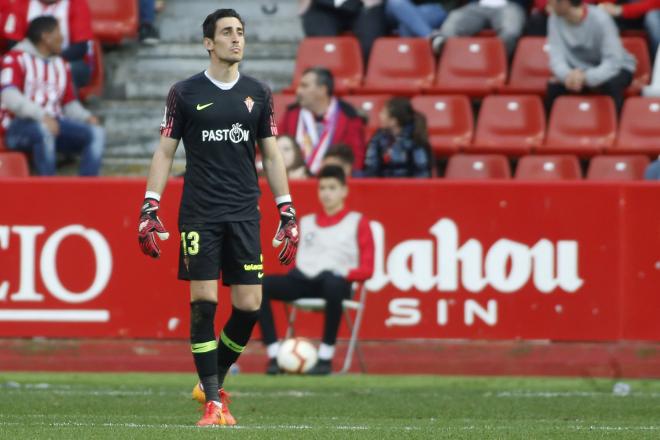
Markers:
point(287, 232)
point(149, 226)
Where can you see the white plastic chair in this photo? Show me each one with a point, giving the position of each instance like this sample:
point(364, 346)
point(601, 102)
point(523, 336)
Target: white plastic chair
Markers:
point(357, 304)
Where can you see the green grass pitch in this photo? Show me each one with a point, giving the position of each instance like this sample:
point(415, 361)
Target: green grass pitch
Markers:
point(158, 406)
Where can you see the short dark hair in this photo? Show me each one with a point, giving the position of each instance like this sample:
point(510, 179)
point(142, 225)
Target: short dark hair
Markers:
point(39, 26)
point(343, 152)
point(323, 78)
point(575, 2)
point(333, 172)
point(208, 27)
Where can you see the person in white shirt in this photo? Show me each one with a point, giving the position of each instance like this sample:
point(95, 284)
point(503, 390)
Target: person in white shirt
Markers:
point(336, 248)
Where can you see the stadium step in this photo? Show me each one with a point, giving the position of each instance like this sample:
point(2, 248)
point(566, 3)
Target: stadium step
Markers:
point(139, 77)
point(181, 21)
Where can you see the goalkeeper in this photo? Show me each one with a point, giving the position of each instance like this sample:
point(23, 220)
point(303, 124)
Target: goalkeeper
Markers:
point(336, 249)
point(219, 114)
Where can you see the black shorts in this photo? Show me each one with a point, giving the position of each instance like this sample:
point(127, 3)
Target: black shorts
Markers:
point(232, 249)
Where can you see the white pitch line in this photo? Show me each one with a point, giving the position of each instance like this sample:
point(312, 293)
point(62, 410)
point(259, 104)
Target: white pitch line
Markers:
point(66, 390)
point(554, 394)
point(191, 426)
point(616, 428)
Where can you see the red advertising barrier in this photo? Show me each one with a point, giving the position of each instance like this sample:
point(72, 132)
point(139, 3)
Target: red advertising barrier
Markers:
point(560, 261)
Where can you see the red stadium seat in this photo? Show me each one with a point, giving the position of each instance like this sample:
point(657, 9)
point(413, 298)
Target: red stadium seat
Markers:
point(340, 55)
point(13, 164)
point(474, 66)
point(530, 69)
point(368, 106)
point(280, 103)
point(617, 167)
point(639, 131)
point(560, 167)
point(449, 121)
point(583, 125)
point(509, 124)
point(639, 49)
point(113, 21)
point(478, 166)
point(399, 66)
point(95, 87)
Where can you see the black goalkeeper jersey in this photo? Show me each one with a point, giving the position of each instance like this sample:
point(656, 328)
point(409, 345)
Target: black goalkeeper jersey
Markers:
point(219, 129)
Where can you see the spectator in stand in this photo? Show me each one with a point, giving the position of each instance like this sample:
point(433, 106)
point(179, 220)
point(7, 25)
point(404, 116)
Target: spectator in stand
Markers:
point(319, 119)
point(586, 53)
point(415, 18)
point(340, 155)
point(506, 17)
point(653, 170)
point(365, 18)
point(649, 9)
point(39, 110)
point(148, 32)
point(537, 22)
point(336, 248)
point(76, 28)
point(400, 147)
point(4, 11)
point(292, 156)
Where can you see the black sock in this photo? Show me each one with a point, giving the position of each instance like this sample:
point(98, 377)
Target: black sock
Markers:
point(210, 384)
point(233, 339)
point(204, 347)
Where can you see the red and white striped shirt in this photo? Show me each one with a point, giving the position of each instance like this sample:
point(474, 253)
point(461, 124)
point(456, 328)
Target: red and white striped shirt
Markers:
point(46, 82)
point(73, 16)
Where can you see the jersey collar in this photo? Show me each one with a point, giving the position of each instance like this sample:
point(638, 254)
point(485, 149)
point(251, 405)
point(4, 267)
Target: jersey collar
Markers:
point(222, 85)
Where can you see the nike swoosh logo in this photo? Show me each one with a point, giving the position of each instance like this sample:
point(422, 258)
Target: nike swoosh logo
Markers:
point(202, 107)
point(260, 275)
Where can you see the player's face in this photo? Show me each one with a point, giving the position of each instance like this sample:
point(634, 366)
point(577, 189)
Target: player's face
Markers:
point(228, 42)
point(287, 149)
point(559, 7)
point(309, 91)
point(332, 193)
point(53, 40)
point(386, 120)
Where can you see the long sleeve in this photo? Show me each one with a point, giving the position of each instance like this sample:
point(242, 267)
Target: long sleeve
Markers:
point(366, 248)
point(21, 105)
point(421, 161)
point(372, 158)
point(612, 55)
point(558, 64)
point(355, 139)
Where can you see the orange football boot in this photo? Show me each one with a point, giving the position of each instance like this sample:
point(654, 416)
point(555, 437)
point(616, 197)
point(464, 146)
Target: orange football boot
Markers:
point(212, 415)
point(225, 399)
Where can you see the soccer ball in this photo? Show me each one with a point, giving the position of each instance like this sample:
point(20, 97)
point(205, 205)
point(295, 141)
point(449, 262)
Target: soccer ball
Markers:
point(296, 356)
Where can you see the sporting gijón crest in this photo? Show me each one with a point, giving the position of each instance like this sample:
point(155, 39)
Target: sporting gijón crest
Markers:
point(249, 103)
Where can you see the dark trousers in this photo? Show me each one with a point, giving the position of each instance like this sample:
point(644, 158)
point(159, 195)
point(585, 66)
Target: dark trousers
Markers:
point(295, 285)
point(615, 87)
point(367, 24)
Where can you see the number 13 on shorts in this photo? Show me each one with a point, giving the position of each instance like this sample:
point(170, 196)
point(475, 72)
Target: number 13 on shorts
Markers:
point(190, 243)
